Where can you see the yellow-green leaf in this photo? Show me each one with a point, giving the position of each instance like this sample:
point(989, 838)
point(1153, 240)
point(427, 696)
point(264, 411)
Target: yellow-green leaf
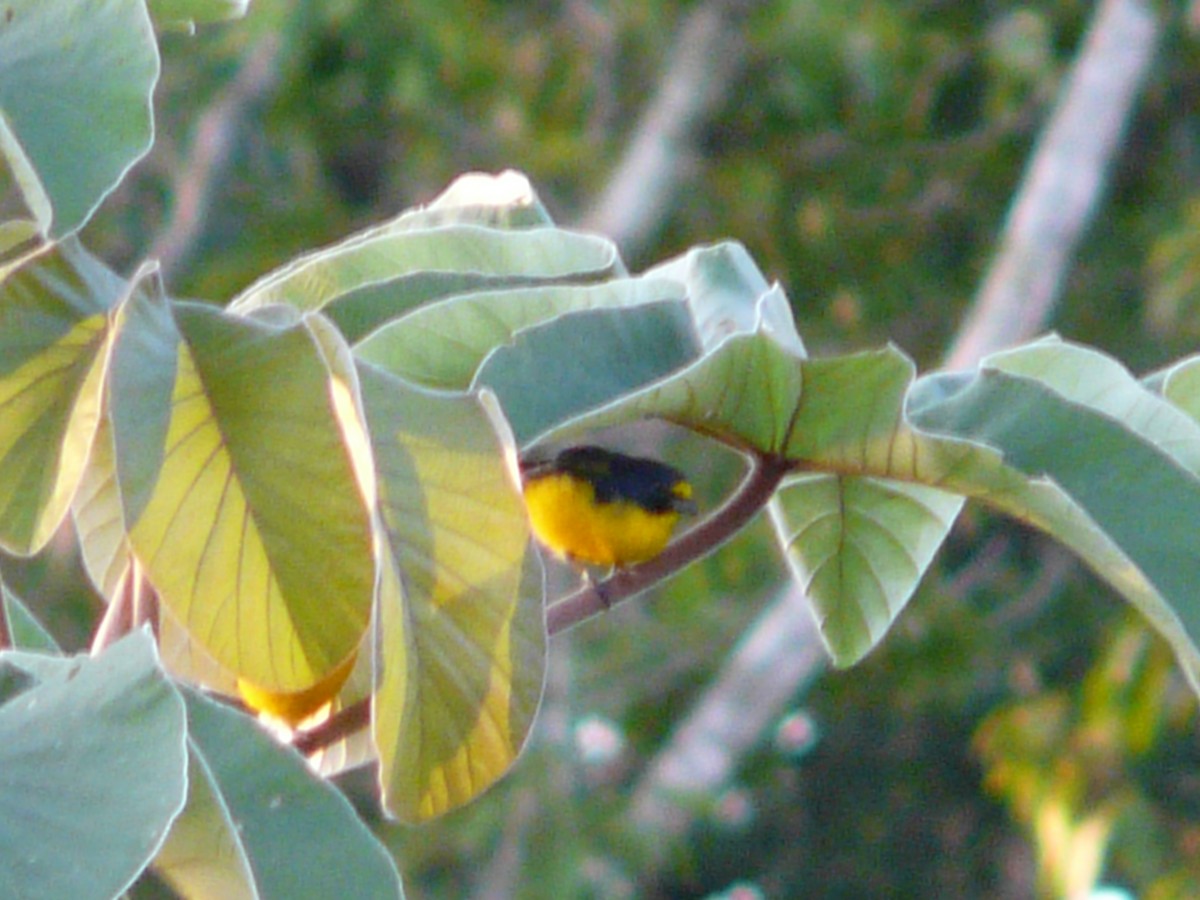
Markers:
point(254, 528)
point(53, 348)
point(461, 642)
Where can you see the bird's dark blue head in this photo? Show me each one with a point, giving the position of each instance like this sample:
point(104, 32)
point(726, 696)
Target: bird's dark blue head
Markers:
point(648, 483)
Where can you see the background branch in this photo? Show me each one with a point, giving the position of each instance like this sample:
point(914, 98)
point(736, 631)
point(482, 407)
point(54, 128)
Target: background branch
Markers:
point(706, 58)
point(1062, 185)
point(212, 146)
point(780, 653)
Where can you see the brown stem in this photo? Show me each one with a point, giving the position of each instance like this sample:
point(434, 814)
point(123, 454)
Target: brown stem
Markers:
point(765, 474)
point(341, 724)
point(5, 632)
point(118, 617)
point(145, 600)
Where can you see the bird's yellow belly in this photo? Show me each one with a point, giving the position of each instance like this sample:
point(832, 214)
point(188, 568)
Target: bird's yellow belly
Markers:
point(567, 519)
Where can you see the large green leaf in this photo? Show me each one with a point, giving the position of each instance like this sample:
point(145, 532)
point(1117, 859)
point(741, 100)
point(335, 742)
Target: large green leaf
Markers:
point(242, 493)
point(92, 772)
point(1128, 494)
point(386, 253)
point(461, 629)
point(443, 344)
point(1018, 442)
point(727, 294)
point(1181, 386)
point(203, 857)
point(744, 392)
point(22, 196)
point(53, 348)
point(399, 281)
point(591, 358)
point(362, 310)
point(65, 157)
point(99, 518)
point(860, 547)
point(101, 509)
point(260, 824)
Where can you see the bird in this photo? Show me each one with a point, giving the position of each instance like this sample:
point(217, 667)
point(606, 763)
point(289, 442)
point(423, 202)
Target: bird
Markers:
point(594, 506)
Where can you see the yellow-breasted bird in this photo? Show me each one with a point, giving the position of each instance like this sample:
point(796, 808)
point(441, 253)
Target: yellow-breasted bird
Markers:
point(603, 508)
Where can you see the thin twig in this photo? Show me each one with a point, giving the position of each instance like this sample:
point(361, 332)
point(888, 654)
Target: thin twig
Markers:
point(6, 641)
point(341, 724)
point(118, 617)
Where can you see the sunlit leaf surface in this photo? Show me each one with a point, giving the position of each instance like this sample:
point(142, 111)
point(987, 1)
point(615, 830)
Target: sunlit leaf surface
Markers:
point(254, 528)
point(461, 644)
point(53, 346)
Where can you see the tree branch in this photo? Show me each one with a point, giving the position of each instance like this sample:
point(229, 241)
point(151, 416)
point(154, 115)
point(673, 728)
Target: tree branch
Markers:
point(780, 652)
point(211, 148)
point(777, 656)
point(706, 57)
point(1062, 185)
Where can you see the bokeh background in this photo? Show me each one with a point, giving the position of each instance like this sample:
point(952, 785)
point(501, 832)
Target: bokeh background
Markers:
point(1019, 730)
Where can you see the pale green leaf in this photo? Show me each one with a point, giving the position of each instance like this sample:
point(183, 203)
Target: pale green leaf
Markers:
point(387, 253)
point(99, 507)
point(1122, 493)
point(53, 348)
point(729, 295)
point(21, 192)
point(1181, 386)
point(402, 283)
point(110, 727)
point(504, 200)
point(745, 392)
point(298, 836)
point(202, 857)
point(443, 344)
point(860, 546)
point(591, 358)
point(1088, 377)
point(102, 55)
point(461, 642)
point(361, 311)
point(99, 518)
point(26, 632)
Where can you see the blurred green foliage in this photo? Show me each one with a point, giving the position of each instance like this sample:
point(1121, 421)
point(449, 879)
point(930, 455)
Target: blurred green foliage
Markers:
point(866, 155)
